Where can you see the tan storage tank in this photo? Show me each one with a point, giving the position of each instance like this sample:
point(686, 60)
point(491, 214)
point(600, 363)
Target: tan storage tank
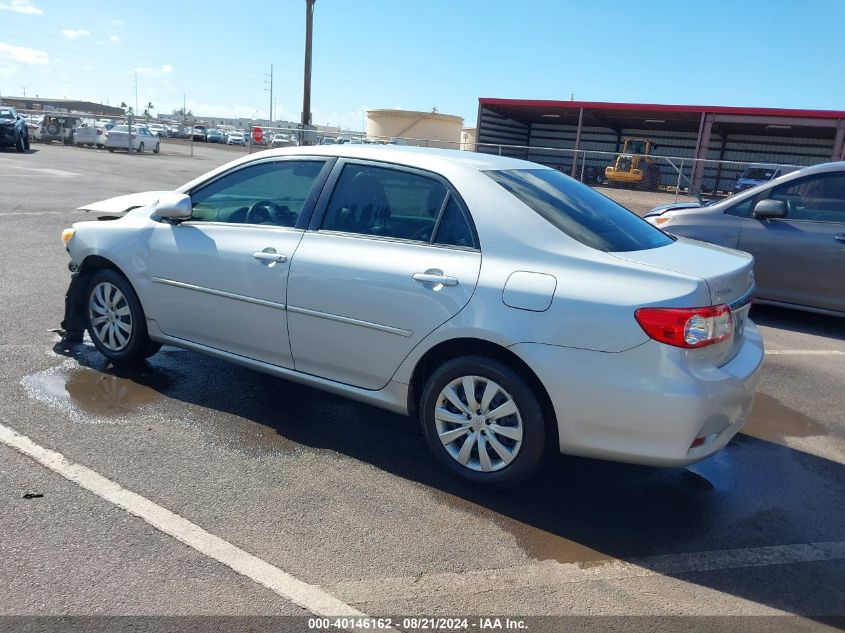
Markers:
point(426, 129)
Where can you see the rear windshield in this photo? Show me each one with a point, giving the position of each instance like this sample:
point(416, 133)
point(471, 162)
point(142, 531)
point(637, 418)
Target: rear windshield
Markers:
point(579, 211)
point(758, 173)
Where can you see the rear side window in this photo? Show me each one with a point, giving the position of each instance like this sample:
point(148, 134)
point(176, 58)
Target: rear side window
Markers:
point(579, 211)
point(386, 202)
point(453, 229)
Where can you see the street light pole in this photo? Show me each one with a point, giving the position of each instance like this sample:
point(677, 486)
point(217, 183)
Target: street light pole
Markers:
point(306, 94)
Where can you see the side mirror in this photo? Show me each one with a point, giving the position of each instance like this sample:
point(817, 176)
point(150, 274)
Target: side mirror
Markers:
point(173, 206)
point(770, 209)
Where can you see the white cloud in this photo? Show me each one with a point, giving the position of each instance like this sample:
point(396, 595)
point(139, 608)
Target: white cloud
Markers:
point(75, 34)
point(117, 22)
point(149, 71)
point(114, 38)
point(21, 6)
point(29, 56)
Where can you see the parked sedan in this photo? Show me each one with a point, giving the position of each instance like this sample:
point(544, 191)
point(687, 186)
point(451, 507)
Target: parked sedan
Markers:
point(507, 306)
point(281, 140)
point(88, 134)
point(795, 228)
point(235, 138)
point(215, 136)
point(139, 139)
point(13, 130)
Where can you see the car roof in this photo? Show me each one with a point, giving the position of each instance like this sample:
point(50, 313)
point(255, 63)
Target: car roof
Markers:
point(423, 157)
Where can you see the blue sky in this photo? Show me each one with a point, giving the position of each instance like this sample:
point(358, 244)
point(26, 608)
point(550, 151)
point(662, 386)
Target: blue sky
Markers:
point(417, 54)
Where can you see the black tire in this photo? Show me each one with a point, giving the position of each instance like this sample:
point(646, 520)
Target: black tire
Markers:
point(138, 346)
point(529, 410)
point(141, 148)
point(19, 145)
point(157, 149)
point(26, 142)
point(111, 149)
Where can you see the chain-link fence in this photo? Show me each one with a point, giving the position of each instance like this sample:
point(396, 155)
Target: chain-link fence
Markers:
point(636, 177)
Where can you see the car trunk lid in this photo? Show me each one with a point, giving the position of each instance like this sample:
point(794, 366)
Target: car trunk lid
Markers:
point(729, 275)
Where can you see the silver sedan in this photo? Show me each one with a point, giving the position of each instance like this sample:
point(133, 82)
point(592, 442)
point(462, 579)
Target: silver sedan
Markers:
point(508, 307)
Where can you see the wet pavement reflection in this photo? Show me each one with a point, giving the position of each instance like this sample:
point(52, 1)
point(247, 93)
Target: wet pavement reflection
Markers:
point(756, 492)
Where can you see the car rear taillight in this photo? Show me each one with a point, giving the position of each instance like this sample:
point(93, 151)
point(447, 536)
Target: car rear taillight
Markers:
point(687, 327)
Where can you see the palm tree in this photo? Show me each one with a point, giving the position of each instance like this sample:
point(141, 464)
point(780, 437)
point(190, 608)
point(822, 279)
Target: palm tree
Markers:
point(149, 107)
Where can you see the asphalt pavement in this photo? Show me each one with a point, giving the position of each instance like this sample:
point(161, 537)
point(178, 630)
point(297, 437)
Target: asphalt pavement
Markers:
point(340, 501)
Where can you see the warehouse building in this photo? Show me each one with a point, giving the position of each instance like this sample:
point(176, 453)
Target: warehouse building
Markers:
point(39, 104)
point(723, 139)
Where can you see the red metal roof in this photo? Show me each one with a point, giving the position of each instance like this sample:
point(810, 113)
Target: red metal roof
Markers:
point(662, 107)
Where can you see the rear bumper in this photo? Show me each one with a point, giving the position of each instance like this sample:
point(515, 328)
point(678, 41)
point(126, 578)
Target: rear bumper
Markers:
point(646, 405)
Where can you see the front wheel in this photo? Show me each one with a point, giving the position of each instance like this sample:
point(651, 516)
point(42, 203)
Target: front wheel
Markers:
point(141, 148)
point(116, 320)
point(483, 422)
point(20, 147)
point(157, 149)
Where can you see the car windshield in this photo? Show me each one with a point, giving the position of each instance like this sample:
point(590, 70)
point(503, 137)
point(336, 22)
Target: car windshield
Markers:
point(579, 211)
point(6, 114)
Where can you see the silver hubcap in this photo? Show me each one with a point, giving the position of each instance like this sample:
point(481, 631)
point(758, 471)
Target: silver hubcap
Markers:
point(478, 423)
point(111, 318)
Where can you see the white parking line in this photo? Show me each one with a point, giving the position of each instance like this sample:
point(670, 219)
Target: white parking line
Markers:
point(804, 352)
point(305, 595)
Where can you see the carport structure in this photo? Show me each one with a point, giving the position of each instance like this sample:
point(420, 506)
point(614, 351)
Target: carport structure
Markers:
point(715, 141)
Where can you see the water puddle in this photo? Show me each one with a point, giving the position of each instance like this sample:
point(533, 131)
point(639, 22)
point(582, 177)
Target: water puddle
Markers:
point(537, 543)
point(171, 389)
point(92, 396)
point(773, 421)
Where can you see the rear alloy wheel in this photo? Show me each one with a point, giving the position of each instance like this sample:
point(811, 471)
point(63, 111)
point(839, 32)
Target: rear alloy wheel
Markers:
point(141, 148)
point(483, 422)
point(158, 147)
point(116, 321)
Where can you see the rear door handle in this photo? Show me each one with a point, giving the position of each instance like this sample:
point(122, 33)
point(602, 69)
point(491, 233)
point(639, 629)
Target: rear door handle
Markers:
point(839, 237)
point(270, 256)
point(435, 279)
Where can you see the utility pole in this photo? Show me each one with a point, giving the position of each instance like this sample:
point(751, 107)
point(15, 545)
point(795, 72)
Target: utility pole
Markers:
point(306, 93)
point(136, 92)
point(270, 120)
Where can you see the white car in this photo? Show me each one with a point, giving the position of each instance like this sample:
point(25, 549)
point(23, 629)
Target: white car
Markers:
point(509, 307)
point(140, 139)
point(90, 134)
point(157, 129)
point(235, 138)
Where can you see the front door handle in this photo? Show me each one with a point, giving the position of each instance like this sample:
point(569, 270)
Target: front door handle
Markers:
point(839, 237)
point(435, 279)
point(270, 256)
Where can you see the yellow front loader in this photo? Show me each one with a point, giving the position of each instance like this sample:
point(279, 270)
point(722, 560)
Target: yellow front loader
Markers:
point(634, 167)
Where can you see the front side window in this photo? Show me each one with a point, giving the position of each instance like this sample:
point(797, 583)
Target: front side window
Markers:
point(268, 193)
point(818, 198)
point(385, 202)
point(579, 211)
point(745, 208)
